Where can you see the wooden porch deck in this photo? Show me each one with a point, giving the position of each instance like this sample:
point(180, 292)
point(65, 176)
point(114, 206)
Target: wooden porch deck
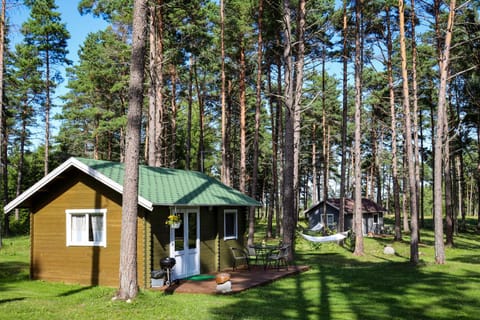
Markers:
point(241, 279)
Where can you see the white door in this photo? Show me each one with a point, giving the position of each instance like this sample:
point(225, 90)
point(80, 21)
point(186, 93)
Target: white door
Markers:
point(185, 244)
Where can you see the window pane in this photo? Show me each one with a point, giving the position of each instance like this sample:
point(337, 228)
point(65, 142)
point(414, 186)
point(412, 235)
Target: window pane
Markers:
point(192, 230)
point(96, 228)
point(330, 219)
point(79, 226)
point(179, 239)
point(230, 224)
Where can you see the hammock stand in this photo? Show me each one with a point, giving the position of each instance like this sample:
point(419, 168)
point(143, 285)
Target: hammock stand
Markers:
point(334, 237)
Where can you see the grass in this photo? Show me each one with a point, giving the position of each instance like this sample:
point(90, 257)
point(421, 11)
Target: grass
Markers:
point(337, 286)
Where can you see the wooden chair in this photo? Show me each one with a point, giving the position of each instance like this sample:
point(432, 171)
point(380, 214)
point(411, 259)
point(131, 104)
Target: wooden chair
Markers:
point(278, 258)
point(239, 258)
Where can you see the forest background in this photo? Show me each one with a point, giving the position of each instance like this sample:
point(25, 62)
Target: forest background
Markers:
point(262, 95)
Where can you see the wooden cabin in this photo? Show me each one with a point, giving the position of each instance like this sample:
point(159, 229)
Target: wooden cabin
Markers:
point(372, 215)
point(76, 222)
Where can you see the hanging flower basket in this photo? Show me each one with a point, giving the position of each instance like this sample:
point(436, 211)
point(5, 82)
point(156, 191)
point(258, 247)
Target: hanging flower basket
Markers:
point(175, 225)
point(173, 221)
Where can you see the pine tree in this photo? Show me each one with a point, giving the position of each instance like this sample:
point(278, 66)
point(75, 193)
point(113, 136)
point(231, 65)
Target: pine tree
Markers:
point(45, 31)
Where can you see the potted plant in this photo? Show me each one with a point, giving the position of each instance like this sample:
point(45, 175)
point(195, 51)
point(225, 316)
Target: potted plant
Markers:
point(173, 221)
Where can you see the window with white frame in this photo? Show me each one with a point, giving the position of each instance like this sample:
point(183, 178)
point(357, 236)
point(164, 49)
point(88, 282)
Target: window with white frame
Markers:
point(230, 224)
point(330, 220)
point(86, 227)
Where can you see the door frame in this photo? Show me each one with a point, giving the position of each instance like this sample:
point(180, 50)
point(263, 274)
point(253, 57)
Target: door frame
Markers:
point(183, 266)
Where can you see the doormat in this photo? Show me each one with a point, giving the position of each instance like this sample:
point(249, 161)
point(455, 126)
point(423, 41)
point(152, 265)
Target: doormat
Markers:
point(201, 277)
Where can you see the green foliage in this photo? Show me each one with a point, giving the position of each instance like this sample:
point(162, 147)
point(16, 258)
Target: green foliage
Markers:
point(94, 113)
point(20, 226)
point(116, 11)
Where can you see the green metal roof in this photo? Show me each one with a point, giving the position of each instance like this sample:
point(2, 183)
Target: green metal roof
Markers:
point(164, 186)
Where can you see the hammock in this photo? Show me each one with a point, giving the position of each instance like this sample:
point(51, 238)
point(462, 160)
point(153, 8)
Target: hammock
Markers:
point(317, 227)
point(334, 237)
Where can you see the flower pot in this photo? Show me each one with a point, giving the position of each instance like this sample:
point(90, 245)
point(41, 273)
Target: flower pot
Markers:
point(175, 225)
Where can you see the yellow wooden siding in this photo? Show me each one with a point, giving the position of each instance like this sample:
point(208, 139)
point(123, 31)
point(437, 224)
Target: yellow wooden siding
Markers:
point(53, 260)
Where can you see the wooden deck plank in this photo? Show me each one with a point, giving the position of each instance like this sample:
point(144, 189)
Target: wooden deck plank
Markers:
point(242, 279)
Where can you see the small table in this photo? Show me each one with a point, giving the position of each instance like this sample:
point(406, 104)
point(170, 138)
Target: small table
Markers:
point(263, 251)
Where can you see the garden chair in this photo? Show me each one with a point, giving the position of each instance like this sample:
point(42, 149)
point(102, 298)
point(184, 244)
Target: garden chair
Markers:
point(278, 258)
point(251, 254)
point(239, 258)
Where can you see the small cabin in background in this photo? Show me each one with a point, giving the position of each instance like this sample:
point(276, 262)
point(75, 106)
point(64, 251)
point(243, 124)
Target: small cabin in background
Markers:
point(372, 215)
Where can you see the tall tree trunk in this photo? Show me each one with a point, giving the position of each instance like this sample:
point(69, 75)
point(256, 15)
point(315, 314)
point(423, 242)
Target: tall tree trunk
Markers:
point(462, 199)
point(422, 174)
point(378, 169)
point(21, 160)
point(357, 210)
point(225, 167)
point(201, 116)
point(243, 118)
point(414, 258)
point(324, 144)
point(393, 128)
point(173, 121)
point(3, 158)
point(160, 113)
point(156, 110)
point(416, 155)
point(444, 59)
point(298, 79)
point(188, 152)
point(293, 85)
point(343, 165)
point(314, 164)
point(273, 190)
point(288, 175)
point(275, 119)
point(448, 172)
point(256, 138)
point(47, 112)
point(128, 241)
point(152, 108)
point(280, 141)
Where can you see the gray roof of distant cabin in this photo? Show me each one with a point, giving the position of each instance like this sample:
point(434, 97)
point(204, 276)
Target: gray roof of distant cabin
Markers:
point(157, 186)
point(368, 206)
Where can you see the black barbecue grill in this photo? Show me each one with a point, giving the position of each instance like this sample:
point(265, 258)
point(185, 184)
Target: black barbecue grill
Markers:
point(167, 265)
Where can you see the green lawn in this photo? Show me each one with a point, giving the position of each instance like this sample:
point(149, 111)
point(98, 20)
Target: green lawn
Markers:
point(337, 286)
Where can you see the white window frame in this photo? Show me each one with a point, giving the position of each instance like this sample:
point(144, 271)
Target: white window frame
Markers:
point(86, 212)
point(235, 227)
point(330, 220)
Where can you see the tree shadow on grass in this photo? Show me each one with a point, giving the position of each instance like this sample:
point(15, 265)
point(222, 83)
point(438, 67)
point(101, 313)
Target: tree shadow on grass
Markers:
point(339, 287)
point(74, 291)
point(11, 300)
point(13, 271)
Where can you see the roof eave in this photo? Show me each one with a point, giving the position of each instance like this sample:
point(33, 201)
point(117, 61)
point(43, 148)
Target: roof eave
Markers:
point(71, 162)
point(258, 205)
